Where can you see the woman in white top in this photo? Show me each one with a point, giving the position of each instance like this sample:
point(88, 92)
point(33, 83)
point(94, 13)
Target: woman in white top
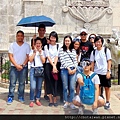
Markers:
point(68, 67)
point(51, 53)
point(36, 58)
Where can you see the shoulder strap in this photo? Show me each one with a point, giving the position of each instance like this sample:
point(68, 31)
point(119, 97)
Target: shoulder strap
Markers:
point(70, 57)
point(48, 46)
point(94, 52)
point(105, 50)
point(84, 76)
point(57, 46)
point(94, 55)
point(92, 75)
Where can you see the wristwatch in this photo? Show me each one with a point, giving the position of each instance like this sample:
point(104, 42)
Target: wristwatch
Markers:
point(108, 70)
point(23, 65)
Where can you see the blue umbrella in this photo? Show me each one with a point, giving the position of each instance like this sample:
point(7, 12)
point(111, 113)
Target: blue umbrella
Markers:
point(35, 21)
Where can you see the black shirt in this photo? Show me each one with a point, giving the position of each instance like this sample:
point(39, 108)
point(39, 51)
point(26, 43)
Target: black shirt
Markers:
point(44, 41)
point(86, 48)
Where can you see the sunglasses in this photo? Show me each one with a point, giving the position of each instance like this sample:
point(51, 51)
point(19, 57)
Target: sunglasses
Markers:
point(76, 39)
point(85, 63)
point(83, 34)
point(92, 37)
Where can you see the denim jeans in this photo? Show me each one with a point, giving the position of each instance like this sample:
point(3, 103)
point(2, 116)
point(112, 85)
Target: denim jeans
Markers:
point(65, 79)
point(21, 76)
point(35, 85)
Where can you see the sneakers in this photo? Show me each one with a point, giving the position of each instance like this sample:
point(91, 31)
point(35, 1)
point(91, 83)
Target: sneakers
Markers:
point(95, 111)
point(31, 104)
point(9, 101)
point(107, 105)
point(81, 110)
point(72, 106)
point(66, 105)
point(21, 100)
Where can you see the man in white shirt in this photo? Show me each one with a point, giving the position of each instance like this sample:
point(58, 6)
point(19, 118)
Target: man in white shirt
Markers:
point(18, 55)
point(98, 101)
point(101, 64)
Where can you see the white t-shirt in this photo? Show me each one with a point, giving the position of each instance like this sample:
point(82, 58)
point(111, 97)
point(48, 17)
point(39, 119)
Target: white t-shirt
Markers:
point(19, 52)
point(100, 59)
point(38, 62)
point(52, 52)
point(95, 79)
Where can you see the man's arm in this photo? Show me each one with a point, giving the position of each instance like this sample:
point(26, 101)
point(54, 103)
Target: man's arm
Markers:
point(108, 69)
point(19, 67)
point(92, 66)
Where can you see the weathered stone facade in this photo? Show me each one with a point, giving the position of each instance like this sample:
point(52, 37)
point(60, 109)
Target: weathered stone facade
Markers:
point(98, 16)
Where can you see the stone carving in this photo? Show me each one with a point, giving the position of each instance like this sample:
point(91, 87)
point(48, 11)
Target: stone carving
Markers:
point(87, 10)
point(113, 43)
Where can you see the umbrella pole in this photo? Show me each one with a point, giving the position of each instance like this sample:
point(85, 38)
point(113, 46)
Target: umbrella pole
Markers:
point(35, 30)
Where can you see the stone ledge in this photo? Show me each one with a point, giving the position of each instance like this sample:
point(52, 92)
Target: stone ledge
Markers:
point(27, 86)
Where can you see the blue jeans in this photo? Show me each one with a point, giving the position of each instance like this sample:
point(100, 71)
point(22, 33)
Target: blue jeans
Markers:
point(21, 76)
point(35, 85)
point(65, 79)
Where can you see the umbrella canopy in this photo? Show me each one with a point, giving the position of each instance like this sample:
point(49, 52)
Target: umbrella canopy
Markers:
point(35, 21)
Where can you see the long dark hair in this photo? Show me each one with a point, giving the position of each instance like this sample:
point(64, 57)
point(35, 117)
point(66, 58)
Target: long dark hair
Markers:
point(78, 50)
point(64, 46)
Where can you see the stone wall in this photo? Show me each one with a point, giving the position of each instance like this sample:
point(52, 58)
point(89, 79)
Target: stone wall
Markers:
point(11, 11)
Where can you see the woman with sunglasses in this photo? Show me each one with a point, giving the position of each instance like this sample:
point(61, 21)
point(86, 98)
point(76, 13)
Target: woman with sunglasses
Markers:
point(68, 70)
point(91, 38)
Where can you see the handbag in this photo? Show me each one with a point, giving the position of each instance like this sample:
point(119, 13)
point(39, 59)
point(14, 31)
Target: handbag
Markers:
point(55, 75)
point(38, 71)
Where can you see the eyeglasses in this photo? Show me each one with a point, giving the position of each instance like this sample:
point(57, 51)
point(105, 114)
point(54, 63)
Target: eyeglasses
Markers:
point(83, 34)
point(85, 63)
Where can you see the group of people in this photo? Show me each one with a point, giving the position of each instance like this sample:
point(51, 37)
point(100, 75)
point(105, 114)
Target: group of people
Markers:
point(68, 62)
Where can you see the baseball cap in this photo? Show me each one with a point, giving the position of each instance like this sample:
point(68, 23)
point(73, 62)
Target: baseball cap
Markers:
point(83, 30)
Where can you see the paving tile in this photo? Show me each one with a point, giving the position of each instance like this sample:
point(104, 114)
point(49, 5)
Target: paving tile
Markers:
point(18, 108)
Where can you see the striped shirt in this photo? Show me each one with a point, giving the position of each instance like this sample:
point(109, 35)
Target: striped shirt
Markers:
point(66, 60)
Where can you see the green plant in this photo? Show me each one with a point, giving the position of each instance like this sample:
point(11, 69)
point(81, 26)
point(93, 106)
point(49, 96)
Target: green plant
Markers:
point(6, 69)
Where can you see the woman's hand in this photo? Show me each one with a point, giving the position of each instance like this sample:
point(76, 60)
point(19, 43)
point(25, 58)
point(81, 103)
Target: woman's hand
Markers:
point(74, 71)
point(55, 69)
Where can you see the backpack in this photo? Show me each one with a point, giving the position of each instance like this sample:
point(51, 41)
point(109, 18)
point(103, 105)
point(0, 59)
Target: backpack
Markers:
point(48, 49)
point(48, 46)
point(87, 91)
point(105, 50)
